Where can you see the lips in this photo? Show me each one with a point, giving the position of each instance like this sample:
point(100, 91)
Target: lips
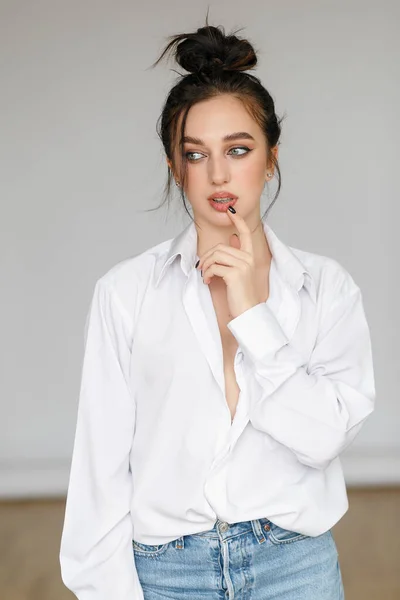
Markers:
point(222, 194)
point(222, 206)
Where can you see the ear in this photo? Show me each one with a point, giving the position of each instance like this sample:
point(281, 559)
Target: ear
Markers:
point(169, 164)
point(270, 164)
point(275, 151)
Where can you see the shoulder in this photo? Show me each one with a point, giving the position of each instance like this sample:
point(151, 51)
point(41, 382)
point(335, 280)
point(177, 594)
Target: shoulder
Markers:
point(127, 280)
point(331, 278)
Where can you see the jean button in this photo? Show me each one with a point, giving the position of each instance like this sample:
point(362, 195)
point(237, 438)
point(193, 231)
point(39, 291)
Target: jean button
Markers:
point(224, 527)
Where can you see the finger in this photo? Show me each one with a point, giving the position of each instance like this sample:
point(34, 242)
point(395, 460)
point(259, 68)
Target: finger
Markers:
point(218, 270)
point(228, 256)
point(234, 241)
point(246, 242)
point(219, 247)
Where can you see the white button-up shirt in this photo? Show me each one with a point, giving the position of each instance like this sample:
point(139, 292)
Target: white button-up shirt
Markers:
point(156, 455)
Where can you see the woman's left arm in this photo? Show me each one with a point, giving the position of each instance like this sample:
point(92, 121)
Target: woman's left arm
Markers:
point(317, 409)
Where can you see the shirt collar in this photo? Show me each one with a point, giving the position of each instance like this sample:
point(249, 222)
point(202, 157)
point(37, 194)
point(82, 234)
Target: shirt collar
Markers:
point(289, 265)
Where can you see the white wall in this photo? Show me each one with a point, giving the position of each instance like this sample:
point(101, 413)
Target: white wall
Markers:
point(80, 159)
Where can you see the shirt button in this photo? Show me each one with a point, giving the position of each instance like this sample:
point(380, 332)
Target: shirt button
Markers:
point(224, 526)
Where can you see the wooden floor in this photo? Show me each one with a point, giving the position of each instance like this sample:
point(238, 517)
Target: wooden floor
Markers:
point(367, 538)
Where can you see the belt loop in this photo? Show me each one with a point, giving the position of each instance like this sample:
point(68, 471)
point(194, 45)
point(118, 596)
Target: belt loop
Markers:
point(258, 532)
point(179, 543)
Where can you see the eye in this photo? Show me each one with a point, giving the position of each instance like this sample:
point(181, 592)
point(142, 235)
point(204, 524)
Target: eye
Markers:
point(245, 148)
point(242, 148)
point(191, 159)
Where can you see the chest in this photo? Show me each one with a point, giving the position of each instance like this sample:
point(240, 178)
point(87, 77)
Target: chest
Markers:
point(228, 340)
point(177, 369)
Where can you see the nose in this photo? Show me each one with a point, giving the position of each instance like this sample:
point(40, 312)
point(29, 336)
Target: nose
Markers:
point(218, 171)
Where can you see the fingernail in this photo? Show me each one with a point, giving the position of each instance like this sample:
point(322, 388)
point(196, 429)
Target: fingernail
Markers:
point(231, 209)
point(197, 264)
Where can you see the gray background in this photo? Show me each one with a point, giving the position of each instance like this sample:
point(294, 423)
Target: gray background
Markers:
point(80, 160)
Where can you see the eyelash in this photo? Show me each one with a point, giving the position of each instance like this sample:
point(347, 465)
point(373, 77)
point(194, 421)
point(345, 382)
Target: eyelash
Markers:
point(235, 148)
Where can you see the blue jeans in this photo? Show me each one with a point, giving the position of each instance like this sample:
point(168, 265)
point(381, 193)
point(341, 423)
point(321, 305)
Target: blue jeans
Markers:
point(250, 560)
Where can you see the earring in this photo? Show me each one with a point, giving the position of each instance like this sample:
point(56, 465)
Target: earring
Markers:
point(177, 184)
point(269, 174)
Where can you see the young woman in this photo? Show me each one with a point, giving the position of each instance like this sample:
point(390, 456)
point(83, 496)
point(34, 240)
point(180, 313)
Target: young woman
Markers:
point(224, 373)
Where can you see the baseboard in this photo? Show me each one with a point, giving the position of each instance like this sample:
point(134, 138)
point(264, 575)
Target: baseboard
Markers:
point(49, 479)
point(34, 479)
point(371, 467)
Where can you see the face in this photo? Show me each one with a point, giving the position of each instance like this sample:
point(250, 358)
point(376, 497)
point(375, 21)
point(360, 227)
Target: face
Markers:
point(239, 166)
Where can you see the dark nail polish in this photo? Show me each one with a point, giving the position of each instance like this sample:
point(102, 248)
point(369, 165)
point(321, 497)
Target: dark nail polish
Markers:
point(201, 273)
point(196, 265)
point(231, 209)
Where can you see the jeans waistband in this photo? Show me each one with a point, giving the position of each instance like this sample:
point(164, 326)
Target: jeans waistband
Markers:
point(223, 530)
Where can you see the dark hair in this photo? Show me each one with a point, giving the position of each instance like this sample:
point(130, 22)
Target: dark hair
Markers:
point(216, 64)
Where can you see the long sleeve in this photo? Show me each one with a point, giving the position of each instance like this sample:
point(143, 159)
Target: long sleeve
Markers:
point(317, 409)
point(96, 554)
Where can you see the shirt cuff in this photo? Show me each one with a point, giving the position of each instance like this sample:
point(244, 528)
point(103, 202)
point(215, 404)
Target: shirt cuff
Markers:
point(258, 332)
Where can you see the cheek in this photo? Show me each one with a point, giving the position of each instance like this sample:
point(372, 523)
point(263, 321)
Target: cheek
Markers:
point(196, 179)
point(251, 171)
point(196, 183)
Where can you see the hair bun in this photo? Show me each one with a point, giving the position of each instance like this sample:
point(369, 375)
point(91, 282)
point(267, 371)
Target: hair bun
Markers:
point(209, 50)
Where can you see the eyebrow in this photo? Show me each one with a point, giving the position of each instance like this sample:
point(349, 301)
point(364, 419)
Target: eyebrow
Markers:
point(238, 135)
